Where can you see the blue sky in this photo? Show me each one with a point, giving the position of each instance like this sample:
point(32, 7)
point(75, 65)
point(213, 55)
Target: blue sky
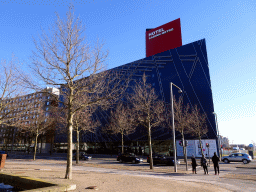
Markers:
point(229, 28)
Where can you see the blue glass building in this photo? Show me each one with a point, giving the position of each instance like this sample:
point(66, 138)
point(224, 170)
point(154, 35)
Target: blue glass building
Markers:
point(185, 66)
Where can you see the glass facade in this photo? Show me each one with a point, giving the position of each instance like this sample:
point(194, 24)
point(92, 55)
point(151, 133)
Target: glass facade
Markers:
point(185, 66)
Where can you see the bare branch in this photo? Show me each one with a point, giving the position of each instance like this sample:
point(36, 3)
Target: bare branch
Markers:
point(10, 90)
point(148, 109)
point(64, 59)
point(122, 121)
point(198, 126)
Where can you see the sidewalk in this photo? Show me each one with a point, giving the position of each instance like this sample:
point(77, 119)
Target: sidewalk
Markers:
point(105, 179)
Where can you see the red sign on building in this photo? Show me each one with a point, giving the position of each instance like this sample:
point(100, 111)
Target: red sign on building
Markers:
point(163, 38)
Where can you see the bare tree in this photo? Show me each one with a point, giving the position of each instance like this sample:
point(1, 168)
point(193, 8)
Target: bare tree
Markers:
point(122, 121)
point(83, 121)
point(149, 110)
point(64, 59)
point(225, 141)
point(12, 94)
point(198, 126)
point(10, 90)
point(182, 120)
point(38, 122)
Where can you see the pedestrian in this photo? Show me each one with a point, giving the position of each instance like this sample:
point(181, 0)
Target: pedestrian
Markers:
point(204, 164)
point(193, 159)
point(215, 160)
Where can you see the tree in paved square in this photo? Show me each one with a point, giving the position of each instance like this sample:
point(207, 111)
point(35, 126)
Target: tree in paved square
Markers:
point(37, 121)
point(197, 125)
point(121, 121)
point(149, 110)
point(182, 117)
point(64, 59)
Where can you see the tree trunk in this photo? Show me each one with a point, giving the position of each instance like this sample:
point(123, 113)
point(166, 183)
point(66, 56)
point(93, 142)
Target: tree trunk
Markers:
point(35, 147)
point(122, 142)
point(201, 146)
point(184, 150)
point(149, 145)
point(13, 138)
point(51, 146)
point(41, 145)
point(70, 139)
point(77, 145)
point(183, 144)
point(186, 158)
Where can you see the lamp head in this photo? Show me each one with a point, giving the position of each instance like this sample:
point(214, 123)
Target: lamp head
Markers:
point(180, 91)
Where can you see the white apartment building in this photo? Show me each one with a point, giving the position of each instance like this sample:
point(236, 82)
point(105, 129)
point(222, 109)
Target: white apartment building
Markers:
point(16, 113)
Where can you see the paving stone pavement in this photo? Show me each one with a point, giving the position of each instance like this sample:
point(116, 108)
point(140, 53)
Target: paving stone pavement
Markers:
point(216, 180)
point(224, 180)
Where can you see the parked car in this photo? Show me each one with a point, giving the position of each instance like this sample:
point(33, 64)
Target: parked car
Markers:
point(237, 157)
point(236, 148)
point(82, 156)
point(163, 159)
point(129, 157)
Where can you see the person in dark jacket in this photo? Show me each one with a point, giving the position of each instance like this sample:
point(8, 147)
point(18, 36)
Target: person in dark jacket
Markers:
point(204, 164)
point(215, 160)
point(193, 159)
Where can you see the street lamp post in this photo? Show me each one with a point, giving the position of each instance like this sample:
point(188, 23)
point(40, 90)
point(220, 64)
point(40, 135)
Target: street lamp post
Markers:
point(173, 128)
point(215, 114)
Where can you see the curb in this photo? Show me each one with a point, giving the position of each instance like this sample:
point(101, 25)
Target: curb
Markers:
point(246, 167)
point(33, 185)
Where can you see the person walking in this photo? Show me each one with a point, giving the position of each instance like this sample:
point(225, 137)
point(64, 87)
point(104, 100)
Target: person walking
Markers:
point(215, 160)
point(204, 164)
point(193, 159)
